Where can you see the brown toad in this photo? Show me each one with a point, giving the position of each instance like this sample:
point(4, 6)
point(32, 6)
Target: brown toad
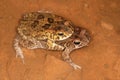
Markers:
point(49, 31)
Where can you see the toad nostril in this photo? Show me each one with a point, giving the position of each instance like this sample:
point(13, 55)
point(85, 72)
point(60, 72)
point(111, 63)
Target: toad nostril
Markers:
point(50, 20)
point(34, 24)
point(46, 26)
point(87, 36)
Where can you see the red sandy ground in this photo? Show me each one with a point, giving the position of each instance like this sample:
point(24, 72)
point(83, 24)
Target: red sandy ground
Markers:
point(99, 61)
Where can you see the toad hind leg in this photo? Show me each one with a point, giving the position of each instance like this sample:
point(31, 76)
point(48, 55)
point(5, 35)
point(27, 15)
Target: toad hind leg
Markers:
point(19, 52)
point(66, 58)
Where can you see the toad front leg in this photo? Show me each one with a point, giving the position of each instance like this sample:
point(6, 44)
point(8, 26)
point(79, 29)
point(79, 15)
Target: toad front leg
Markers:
point(66, 58)
point(19, 52)
point(53, 46)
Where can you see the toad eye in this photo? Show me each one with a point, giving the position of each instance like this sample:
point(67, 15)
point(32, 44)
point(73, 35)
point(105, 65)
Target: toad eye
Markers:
point(60, 33)
point(76, 42)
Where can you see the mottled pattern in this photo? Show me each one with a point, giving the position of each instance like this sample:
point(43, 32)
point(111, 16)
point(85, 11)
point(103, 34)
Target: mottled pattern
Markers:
point(52, 32)
point(43, 26)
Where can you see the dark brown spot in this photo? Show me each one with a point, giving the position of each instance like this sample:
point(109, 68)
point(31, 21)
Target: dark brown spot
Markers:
point(40, 16)
point(75, 36)
point(50, 20)
point(58, 28)
point(34, 24)
point(46, 26)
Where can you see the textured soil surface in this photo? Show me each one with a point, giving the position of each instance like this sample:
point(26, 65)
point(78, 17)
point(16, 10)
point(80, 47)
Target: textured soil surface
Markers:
point(99, 61)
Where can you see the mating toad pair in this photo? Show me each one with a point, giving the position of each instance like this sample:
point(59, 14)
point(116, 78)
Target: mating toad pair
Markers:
point(49, 31)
